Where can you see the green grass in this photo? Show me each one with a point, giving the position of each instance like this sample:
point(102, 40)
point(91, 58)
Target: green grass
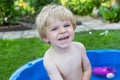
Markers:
point(97, 41)
point(14, 53)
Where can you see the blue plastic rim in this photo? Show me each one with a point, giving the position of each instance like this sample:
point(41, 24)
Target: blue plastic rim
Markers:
point(35, 70)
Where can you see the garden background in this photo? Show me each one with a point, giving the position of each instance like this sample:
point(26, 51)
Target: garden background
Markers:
point(20, 15)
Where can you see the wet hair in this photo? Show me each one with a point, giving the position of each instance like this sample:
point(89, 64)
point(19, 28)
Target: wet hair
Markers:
point(54, 12)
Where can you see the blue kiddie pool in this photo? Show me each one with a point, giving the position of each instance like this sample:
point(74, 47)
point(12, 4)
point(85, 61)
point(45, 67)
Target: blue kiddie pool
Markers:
point(35, 70)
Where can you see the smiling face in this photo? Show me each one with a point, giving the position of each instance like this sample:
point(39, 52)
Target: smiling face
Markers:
point(59, 33)
point(54, 12)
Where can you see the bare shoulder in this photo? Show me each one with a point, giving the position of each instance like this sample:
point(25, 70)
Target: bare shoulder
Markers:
point(47, 56)
point(50, 67)
point(78, 44)
point(80, 47)
point(47, 61)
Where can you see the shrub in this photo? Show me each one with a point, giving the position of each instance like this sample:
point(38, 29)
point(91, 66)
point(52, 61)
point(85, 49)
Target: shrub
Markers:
point(6, 10)
point(38, 4)
point(110, 14)
point(13, 10)
point(82, 7)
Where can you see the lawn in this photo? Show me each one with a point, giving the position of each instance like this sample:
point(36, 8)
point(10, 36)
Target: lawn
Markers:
point(16, 52)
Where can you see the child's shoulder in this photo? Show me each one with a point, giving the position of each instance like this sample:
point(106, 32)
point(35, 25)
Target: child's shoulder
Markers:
point(78, 44)
point(47, 53)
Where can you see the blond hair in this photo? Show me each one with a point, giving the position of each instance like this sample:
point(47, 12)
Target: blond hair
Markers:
point(53, 11)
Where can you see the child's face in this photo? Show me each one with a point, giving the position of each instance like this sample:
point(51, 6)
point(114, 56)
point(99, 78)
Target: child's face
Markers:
point(59, 33)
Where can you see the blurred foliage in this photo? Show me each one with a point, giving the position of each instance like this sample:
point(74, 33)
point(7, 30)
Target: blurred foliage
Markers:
point(6, 10)
point(11, 11)
point(38, 4)
point(112, 13)
point(82, 7)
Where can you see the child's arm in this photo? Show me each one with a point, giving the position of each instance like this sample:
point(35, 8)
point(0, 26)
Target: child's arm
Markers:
point(87, 74)
point(85, 62)
point(87, 71)
point(52, 70)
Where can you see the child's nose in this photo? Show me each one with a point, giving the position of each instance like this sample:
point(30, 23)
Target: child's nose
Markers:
point(62, 30)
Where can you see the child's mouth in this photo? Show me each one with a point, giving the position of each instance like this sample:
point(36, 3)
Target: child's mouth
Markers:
point(63, 38)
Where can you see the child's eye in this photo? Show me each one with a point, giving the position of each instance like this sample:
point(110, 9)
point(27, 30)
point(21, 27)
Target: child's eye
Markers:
point(67, 25)
point(54, 29)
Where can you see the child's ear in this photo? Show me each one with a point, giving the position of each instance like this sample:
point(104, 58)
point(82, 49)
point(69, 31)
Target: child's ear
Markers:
point(44, 38)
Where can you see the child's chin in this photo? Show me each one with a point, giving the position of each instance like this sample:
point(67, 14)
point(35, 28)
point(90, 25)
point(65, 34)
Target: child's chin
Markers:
point(65, 45)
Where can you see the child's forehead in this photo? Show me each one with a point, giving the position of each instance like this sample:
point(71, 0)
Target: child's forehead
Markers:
point(51, 20)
